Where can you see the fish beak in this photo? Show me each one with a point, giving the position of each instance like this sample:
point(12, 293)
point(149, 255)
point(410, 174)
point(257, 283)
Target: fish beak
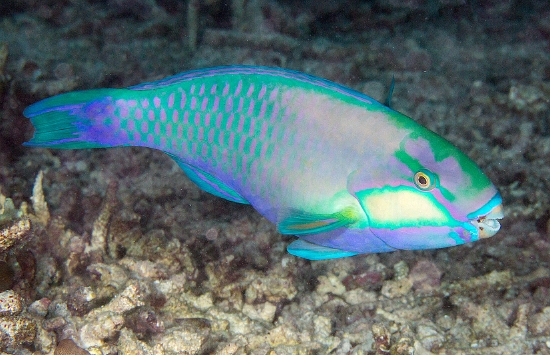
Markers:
point(487, 225)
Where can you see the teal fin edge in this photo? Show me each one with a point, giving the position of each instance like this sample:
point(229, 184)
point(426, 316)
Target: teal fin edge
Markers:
point(311, 251)
point(209, 183)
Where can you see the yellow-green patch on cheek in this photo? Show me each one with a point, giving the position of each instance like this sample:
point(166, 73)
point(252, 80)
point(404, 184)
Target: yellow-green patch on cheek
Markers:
point(396, 207)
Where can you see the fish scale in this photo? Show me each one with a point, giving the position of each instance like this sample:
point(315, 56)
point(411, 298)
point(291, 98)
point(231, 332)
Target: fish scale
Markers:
point(249, 115)
point(344, 173)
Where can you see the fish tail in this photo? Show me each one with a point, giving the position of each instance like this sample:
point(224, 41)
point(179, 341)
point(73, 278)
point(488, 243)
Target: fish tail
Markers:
point(71, 120)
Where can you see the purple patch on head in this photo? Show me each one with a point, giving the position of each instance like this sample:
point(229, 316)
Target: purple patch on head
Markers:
point(204, 103)
point(197, 119)
point(169, 130)
point(145, 103)
point(213, 89)
point(163, 115)
point(225, 89)
point(139, 114)
point(156, 101)
point(420, 149)
point(201, 90)
point(151, 115)
point(157, 128)
point(193, 102)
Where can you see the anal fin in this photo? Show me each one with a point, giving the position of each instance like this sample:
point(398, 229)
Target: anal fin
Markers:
point(312, 251)
point(210, 183)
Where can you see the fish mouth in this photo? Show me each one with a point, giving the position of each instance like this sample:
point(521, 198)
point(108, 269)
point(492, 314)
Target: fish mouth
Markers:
point(487, 224)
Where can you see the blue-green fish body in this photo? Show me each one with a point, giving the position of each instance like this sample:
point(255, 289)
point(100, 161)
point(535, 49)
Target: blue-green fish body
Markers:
point(344, 173)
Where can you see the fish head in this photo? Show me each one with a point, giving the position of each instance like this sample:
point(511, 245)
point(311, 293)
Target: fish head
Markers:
point(428, 194)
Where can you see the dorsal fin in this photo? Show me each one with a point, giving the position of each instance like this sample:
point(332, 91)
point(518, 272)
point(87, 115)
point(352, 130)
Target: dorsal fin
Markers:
point(390, 92)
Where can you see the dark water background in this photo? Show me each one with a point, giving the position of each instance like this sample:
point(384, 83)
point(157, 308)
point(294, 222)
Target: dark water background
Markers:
point(476, 72)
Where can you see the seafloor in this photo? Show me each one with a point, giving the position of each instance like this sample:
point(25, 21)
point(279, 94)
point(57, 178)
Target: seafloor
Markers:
point(122, 254)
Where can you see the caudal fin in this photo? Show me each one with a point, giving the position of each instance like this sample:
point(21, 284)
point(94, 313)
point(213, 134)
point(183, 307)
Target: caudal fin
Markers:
point(69, 121)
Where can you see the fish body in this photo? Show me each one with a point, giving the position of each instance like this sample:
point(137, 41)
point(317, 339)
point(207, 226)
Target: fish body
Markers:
point(344, 173)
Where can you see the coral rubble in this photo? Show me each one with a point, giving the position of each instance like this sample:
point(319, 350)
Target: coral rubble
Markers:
point(119, 253)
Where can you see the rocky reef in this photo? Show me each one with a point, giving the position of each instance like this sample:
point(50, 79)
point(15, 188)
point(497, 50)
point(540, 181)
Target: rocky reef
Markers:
point(117, 252)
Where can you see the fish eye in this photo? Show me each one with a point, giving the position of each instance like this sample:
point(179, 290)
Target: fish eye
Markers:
point(424, 180)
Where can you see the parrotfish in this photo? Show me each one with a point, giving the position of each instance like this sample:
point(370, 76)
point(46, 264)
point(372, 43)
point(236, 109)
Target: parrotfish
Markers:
point(344, 173)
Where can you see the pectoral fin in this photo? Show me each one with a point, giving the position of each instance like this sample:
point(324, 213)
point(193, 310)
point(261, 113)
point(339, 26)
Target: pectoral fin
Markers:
point(312, 251)
point(299, 223)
